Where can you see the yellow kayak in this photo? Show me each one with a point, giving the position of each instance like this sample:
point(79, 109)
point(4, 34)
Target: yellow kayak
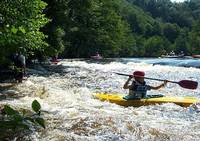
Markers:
point(118, 99)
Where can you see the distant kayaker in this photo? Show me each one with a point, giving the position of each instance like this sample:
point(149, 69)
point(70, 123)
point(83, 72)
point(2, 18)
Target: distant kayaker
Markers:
point(138, 88)
point(97, 56)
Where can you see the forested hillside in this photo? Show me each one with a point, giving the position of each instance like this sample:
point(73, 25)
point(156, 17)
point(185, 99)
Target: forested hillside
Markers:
point(114, 28)
point(118, 28)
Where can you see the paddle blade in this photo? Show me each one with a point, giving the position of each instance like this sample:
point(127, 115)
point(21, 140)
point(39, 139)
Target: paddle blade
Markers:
point(188, 84)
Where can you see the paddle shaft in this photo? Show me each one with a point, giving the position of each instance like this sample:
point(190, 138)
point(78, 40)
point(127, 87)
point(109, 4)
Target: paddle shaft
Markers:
point(189, 84)
point(148, 78)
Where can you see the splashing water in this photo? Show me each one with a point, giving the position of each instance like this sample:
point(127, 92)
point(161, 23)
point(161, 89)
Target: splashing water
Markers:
point(72, 113)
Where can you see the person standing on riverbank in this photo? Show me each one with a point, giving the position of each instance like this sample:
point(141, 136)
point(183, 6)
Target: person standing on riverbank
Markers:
point(20, 66)
point(138, 88)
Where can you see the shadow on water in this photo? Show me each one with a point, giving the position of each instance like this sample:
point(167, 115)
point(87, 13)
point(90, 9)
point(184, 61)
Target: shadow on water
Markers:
point(9, 86)
point(63, 70)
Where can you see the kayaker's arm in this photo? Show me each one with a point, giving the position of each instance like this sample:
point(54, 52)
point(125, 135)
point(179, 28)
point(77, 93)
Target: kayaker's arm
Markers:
point(160, 86)
point(126, 86)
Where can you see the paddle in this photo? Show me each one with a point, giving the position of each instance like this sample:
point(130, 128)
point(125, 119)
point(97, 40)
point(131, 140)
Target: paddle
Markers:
point(188, 84)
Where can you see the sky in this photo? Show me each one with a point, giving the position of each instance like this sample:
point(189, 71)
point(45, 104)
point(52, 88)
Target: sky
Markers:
point(177, 0)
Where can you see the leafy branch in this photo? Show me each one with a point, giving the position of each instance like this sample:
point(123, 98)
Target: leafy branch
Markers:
point(13, 122)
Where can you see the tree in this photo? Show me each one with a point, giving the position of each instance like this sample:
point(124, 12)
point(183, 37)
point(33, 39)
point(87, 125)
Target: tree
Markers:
point(57, 11)
point(96, 26)
point(140, 50)
point(171, 31)
point(182, 42)
point(194, 38)
point(154, 46)
point(21, 21)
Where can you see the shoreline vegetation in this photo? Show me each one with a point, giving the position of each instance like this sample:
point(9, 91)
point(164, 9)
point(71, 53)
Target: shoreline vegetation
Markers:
point(120, 28)
point(15, 122)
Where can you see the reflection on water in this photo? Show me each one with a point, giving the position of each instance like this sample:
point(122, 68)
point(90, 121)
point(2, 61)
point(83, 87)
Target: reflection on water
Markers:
point(72, 113)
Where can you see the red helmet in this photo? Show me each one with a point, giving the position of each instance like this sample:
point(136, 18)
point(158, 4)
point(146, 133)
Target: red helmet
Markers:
point(138, 74)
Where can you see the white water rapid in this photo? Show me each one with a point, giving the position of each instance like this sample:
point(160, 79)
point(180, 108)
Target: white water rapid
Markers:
point(73, 114)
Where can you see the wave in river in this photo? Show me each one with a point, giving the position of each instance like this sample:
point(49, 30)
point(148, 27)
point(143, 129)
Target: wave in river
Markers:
point(72, 113)
point(166, 61)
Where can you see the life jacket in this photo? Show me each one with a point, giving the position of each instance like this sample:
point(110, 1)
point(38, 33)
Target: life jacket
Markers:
point(138, 90)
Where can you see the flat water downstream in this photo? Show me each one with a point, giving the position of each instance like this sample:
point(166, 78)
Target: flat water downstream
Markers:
point(74, 114)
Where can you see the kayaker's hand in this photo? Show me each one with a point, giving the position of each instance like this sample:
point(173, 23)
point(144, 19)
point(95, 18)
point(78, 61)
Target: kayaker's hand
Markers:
point(130, 77)
point(165, 83)
point(126, 83)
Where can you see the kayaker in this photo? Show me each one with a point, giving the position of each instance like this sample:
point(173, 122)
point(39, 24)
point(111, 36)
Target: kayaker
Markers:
point(138, 88)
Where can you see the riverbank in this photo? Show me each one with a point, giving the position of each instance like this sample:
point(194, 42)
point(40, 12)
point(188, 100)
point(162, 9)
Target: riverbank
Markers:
point(11, 91)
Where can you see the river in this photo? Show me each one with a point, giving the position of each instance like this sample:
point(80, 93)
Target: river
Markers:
point(74, 114)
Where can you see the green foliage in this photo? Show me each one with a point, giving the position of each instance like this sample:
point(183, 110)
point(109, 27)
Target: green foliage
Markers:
point(40, 121)
point(194, 38)
point(182, 14)
point(114, 28)
point(9, 111)
point(57, 11)
point(14, 123)
point(154, 46)
point(171, 21)
point(171, 32)
point(36, 106)
point(182, 42)
point(90, 26)
point(21, 21)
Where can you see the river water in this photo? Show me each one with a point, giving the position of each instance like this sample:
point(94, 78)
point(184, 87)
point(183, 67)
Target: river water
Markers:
point(72, 113)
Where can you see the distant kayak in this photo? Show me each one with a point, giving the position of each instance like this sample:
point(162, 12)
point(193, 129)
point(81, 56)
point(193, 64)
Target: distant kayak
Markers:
point(196, 56)
point(172, 56)
point(118, 99)
point(97, 57)
point(55, 61)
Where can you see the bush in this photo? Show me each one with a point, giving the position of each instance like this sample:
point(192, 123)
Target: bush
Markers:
point(14, 123)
